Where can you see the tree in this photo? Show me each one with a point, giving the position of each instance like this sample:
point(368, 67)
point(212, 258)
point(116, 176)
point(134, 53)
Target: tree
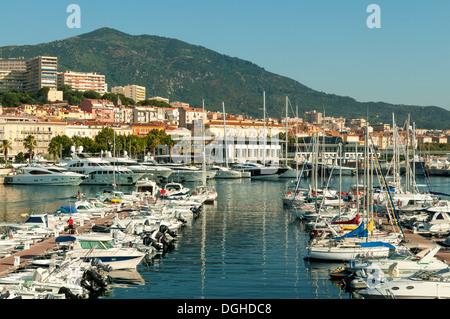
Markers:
point(42, 94)
point(105, 138)
point(20, 158)
point(92, 95)
point(30, 143)
point(54, 148)
point(6, 146)
point(64, 143)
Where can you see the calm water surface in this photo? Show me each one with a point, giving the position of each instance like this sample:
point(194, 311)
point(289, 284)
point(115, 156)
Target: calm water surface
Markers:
point(245, 246)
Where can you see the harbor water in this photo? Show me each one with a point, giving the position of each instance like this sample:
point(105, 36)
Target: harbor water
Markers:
point(245, 246)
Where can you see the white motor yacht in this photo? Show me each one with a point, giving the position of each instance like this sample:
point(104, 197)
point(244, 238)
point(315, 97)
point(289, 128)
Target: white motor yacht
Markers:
point(401, 263)
point(421, 285)
point(174, 190)
point(101, 172)
point(35, 174)
point(226, 173)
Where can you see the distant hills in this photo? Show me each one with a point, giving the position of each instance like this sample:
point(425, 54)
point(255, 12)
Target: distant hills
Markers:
point(183, 72)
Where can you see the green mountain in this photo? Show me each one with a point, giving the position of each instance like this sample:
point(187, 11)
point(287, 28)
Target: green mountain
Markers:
point(183, 72)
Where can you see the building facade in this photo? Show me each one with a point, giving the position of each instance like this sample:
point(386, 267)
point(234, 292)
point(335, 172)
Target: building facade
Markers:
point(16, 128)
point(135, 92)
point(41, 72)
point(101, 110)
point(82, 81)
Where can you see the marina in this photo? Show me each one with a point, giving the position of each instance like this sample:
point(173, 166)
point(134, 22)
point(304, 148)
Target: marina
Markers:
point(244, 245)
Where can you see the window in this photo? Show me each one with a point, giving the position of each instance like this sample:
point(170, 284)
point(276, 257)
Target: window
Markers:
point(88, 244)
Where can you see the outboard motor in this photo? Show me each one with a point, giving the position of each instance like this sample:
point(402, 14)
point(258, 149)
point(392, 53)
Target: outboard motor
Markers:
point(92, 281)
point(148, 239)
point(98, 263)
point(160, 237)
point(67, 293)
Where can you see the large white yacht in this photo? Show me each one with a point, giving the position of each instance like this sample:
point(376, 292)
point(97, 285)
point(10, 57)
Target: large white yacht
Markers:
point(36, 174)
point(182, 173)
point(101, 172)
point(151, 172)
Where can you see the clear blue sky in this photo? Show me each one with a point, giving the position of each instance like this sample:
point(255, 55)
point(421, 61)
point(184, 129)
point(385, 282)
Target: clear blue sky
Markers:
point(324, 44)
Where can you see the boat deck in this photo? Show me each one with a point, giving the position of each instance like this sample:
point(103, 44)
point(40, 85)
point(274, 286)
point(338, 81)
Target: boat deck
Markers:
point(443, 253)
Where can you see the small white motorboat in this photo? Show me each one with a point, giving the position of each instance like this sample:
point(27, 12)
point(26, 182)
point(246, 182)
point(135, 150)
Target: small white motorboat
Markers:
point(101, 246)
point(421, 285)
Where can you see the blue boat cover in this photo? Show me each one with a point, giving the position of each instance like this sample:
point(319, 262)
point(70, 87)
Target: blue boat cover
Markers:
point(376, 244)
point(63, 239)
point(68, 209)
point(357, 232)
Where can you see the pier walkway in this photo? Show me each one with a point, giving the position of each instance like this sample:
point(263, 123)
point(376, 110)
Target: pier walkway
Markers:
point(8, 264)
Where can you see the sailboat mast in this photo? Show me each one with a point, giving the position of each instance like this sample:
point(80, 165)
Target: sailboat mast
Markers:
point(286, 131)
point(225, 135)
point(203, 147)
point(264, 130)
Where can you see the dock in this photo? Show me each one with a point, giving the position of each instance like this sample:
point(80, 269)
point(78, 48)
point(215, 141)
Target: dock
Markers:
point(9, 264)
point(410, 237)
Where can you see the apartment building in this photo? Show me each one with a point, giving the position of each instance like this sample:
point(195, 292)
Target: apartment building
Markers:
point(12, 74)
point(187, 115)
point(19, 64)
point(101, 110)
point(145, 114)
point(92, 128)
point(17, 128)
point(11, 80)
point(312, 117)
point(135, 92)
point(83, 81)
point(142, 129)
point(41, 72)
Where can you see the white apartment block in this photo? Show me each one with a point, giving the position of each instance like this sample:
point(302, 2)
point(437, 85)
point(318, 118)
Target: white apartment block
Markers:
point(41, 72)
point(123, 114)
point(91, 130)
point(146, 114)
point(82, 81)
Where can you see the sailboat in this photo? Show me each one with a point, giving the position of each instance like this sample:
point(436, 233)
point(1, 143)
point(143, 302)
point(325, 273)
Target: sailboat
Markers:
point(290, 173)
point(208, 192)
point(361, 241)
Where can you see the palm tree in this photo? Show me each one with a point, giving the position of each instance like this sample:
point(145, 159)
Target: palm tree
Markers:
point(30, 143)
point(54, 149)
point(5, 147)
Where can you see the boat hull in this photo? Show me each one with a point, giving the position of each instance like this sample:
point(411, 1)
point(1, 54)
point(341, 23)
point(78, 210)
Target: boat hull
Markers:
point(53, 180)
point(345, 254)
point(115, 261)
